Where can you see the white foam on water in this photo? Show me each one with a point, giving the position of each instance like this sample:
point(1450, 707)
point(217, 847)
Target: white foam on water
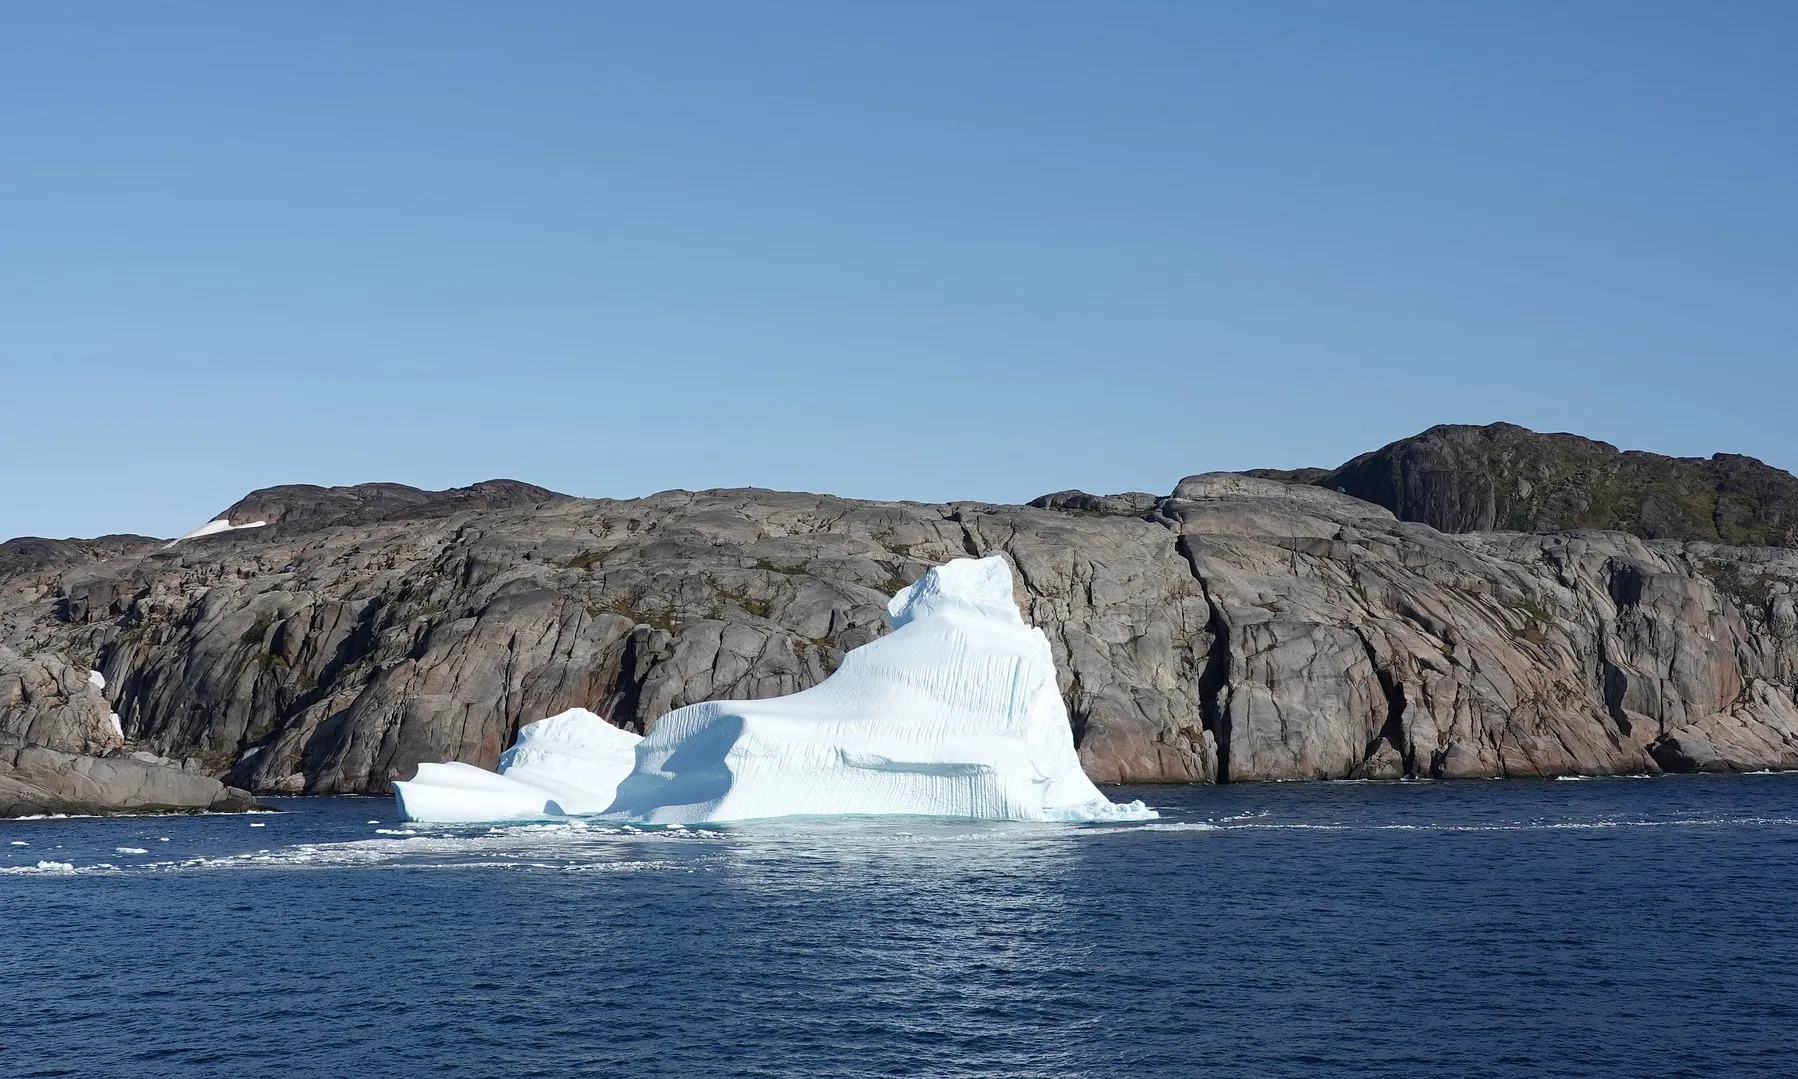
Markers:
point(598, 846)
point(58, 868)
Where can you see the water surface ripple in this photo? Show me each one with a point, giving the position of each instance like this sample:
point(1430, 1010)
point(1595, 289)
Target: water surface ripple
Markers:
point(1602, 928)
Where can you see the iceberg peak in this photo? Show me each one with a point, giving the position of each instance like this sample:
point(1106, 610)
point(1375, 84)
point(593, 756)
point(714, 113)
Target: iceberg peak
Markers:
point(979, 585)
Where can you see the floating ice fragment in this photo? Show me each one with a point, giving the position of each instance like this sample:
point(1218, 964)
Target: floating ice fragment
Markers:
point(45, 867)
point(258, 825)
point(20, 843)
point(568, 763)
point(129, 850)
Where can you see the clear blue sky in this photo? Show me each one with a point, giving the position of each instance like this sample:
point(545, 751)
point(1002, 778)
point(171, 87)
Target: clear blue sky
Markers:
point(961, 250)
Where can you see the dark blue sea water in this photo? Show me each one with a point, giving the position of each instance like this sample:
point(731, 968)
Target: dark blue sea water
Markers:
point(1600, 928)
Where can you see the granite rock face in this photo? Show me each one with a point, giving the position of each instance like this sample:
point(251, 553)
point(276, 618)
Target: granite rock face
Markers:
point(61, 751)
point(1241, 628)
point(47, 701)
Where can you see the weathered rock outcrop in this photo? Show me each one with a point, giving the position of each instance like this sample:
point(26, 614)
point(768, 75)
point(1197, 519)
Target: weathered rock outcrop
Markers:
point(1476, 479)
point(1241, 628)
point(34, 779)
point(62, 750)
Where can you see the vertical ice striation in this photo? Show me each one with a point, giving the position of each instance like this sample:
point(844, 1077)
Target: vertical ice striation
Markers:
point(955, 713)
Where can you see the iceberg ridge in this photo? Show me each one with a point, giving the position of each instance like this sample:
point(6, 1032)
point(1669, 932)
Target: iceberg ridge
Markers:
point(955, 713)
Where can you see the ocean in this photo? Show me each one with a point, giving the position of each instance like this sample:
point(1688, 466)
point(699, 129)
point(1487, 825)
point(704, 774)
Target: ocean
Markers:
point(1618, 927)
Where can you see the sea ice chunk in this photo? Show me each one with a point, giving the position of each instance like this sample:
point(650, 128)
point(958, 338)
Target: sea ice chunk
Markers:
point(566, 764)
point(955, 713)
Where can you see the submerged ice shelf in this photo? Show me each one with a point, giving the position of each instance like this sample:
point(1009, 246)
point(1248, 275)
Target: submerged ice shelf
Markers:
point(956, 713)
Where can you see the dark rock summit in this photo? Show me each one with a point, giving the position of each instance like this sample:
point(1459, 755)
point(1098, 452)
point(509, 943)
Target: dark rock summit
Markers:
point(1505, 477)
point(301, 507)
point(1240, 628)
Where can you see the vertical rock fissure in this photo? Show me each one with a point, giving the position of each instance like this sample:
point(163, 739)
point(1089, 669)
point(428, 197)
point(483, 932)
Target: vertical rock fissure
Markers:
point(1212, 683)
point(1392, 731)
point(1214, 680)
point(627, 687)
point(1079, 713)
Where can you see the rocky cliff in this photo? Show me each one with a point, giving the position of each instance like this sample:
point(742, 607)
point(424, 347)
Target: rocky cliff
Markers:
point(1239, 628)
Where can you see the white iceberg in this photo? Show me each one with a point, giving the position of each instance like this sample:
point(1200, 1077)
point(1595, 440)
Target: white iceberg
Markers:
point(955, 713)
point(565, 765)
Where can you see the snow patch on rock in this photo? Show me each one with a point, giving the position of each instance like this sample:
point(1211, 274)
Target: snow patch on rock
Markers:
point(213, 528)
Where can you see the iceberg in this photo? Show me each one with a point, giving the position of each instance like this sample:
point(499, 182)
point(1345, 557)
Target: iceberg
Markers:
point(566, 765)
point(955, 713)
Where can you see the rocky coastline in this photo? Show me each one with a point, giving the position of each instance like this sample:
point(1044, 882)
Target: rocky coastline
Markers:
point(1639, 618)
